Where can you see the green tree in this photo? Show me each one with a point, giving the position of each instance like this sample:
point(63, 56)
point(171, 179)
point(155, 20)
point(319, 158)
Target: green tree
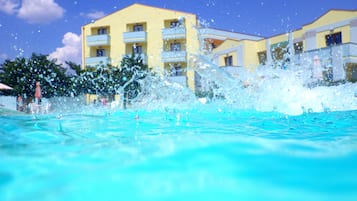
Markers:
point(132, 70)
point(109, 80)
point(96, 80)
point(23, 73)
point(75, 67)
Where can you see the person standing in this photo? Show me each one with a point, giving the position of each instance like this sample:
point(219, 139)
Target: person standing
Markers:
point(20, 103)
point(317, 69)
point(38, 94)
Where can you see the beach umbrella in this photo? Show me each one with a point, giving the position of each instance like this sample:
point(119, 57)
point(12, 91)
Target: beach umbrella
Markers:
point(5, 87)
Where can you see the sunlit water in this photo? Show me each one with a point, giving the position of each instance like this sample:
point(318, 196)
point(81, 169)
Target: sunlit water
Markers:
point(209, 152)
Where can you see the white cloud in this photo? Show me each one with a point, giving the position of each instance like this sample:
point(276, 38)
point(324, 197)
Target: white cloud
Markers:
point(40, 11)
point(3, 56)
point(94, 15)
point(9, 6)
point(71, 51)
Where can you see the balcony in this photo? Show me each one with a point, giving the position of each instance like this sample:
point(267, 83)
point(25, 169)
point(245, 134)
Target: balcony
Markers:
point(97, 40)
point(349, 52)
point(95, 61)
point(335, 57)
point(343, 52)
point(134, 37)
point(174, 33)
point(173, 56)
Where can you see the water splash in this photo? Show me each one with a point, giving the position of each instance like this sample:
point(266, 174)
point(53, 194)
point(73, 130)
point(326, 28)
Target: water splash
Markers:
point(266, 89)
point(271, 89)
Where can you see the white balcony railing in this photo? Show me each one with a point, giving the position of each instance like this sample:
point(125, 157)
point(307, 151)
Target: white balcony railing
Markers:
point(96, 40)
point(174, 33)
point(330, 57)
point(134, 37)
point(349, 52)
point(94, 61)
point(173, 56)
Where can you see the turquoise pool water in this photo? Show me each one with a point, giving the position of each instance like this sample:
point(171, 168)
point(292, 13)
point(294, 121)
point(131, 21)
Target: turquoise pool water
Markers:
point(207, 153)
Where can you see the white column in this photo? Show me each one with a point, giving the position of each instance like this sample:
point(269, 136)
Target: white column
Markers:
point(337, 63)
point(240, 56)
point(353, 31)
point(310, 40)
point(269, 58)
point(291, 44)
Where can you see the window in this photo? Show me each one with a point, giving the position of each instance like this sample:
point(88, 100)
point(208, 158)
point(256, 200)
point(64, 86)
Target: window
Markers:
point(138, 27)
point(279, 51)
point(262, 56)
point(100, 52)
point(210, 46)
point(175, 46)
point(228, 61)
point(177, 70)
point(298, 47)
point(137, 49)
point(174, 24)
point(333, 39)
point(102, 31)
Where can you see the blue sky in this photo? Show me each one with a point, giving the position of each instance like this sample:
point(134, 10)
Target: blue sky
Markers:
point(52, 27)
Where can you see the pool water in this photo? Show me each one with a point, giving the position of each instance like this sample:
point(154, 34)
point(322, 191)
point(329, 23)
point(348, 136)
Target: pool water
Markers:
point(206, 153)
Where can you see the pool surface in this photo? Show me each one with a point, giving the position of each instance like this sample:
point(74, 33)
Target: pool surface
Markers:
point(202, 153)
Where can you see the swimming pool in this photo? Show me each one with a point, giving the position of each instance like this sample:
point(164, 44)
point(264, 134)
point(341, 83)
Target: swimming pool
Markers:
point(203, 153)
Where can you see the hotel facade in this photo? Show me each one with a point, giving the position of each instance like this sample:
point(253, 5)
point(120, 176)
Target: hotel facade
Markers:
point(165, 39)
point(332, 38)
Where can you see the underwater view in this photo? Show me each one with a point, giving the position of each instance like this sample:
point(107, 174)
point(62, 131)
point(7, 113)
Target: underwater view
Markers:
point(162, 105)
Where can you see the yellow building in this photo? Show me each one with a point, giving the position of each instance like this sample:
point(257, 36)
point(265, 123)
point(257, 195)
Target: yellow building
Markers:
point(164, 38)
point(332, 37)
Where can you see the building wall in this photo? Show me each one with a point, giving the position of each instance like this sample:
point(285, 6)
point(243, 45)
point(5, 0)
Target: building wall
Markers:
point(278, 38)
point(312, 36)
point(298, 35)
point(154, 20)
point(353, 31)
point(229, 48)
point(331, 19)
point(261, 45)
point(251, 60)
point(320, 36)
point(244, 53)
